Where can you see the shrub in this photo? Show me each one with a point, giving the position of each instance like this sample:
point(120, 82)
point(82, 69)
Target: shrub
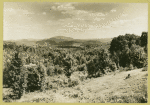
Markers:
point(123, 69)
point(34, 77)
point(14, 73)
point(128, 99)
point(42, 73)
point(50, 70)
point(73, 83)
point(130, 67)
point(82, 67)
point(58, 69)
point(107, 70)
point(91, 67)
point(113, 66)
point(145, 68)
point(120, 69)
point(33, 82)
point(6, 98)
point(135, 67)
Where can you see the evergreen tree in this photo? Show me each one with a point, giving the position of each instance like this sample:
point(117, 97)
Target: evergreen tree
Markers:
point(15, 75)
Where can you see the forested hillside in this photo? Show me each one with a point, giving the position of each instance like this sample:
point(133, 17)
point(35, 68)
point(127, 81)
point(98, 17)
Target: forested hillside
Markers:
point(29, 68)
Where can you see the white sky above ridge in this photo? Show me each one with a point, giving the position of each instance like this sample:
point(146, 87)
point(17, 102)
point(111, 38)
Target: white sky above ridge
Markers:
point(40, 20)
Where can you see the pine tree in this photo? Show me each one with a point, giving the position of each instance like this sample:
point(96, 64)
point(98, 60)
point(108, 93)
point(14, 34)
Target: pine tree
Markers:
point(15, 75)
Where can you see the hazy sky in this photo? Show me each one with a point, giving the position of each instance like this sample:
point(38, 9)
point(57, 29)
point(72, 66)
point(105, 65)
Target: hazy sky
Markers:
point(39, 20)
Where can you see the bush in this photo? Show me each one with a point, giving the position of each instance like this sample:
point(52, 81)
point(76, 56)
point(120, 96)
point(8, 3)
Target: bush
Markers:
point(73, 83)
point(131, 67)
point(14, 74)
point(82, 78)
point(120, 68)
point(34, 77)
point(82, 67)
point(135, 67)
point(50, 70)
point(91, 68)
point(33, 82)
point(107, 70)
point(58, 69)
point(113, 66)
point(128, 99)
point(123, 69)
point(42, 73)
point(17, 89)
point(145, 68)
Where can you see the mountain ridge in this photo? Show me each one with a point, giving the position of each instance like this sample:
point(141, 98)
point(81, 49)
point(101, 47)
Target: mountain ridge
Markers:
point(62, 41)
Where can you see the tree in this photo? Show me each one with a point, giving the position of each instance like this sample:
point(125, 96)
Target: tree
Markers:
point(99, 62)
point(143, 39)
point(116, 58)
point(120, 49)
point(68, 62)
point(125, 58)
point(138, 56)
point(104, 60)
point(6, 67)
point(15, 75)
point(28, 60)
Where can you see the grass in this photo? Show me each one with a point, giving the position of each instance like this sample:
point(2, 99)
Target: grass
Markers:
point(107, 89)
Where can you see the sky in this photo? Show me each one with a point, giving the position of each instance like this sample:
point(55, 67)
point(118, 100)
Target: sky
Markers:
point(41, 20)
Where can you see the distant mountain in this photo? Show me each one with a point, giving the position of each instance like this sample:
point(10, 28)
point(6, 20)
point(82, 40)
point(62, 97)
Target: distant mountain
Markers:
point(105, 40)
point(61, 38)
point(67, 41)
point(63, 41)
point(27, 42)
point(55, 40)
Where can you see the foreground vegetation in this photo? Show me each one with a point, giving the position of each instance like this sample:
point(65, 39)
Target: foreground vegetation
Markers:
point(57, 72)
point(107, 89)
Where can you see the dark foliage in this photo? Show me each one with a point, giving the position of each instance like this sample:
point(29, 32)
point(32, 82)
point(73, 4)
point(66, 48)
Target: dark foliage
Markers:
point(14, 80)
point(126, 50)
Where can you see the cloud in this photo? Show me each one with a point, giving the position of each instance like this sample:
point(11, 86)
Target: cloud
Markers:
point(61, 20)
point(71, 30)
point(74, 27)
point(113, 10)
point(120, 22)
point(53, 8)
point(54, 23)
point(98, 19)
point(81, 12)
point(44, 13)
point(72, 19)
point(63, 6)
point(80, 19)
point(90, 17)
point(105, 26)
point(124, 15)
point(26, 12)
point(97, 14)
point(141, 18)
point(96, 7)
point(9, 11)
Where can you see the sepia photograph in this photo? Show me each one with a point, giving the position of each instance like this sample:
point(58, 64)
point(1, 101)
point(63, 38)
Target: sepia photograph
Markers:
point(75, 52)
